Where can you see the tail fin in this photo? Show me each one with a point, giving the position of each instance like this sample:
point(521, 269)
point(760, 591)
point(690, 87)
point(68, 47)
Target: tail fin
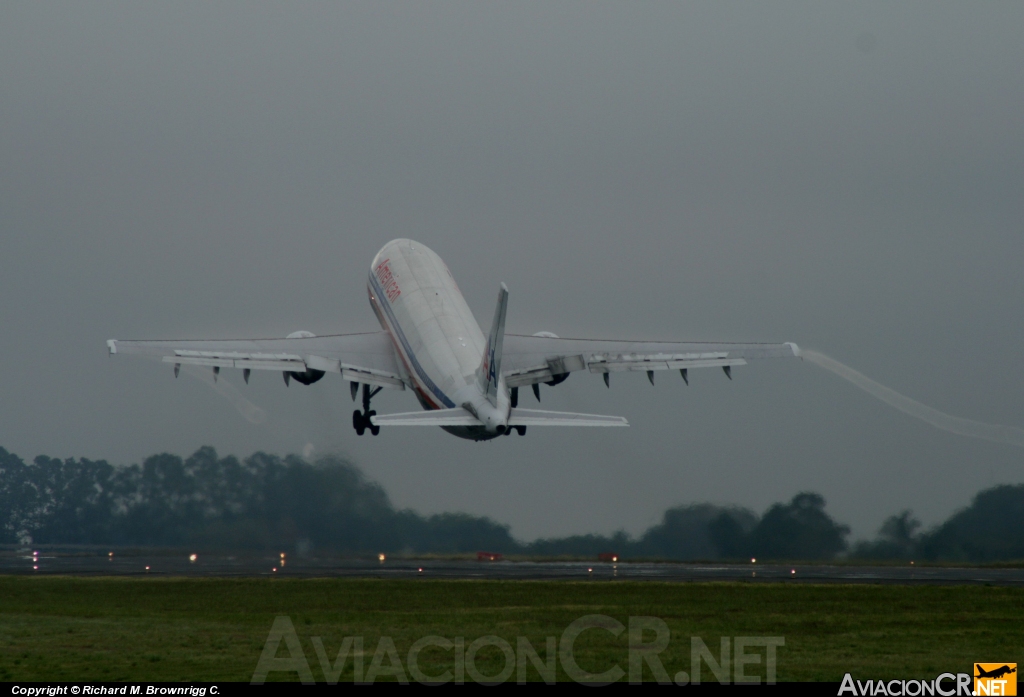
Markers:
point(490, 368)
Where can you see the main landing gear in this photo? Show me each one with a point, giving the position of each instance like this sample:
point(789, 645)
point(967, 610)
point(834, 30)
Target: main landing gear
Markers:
point(361, 419)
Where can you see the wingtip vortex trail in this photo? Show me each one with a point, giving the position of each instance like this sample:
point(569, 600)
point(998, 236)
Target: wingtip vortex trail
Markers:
point(1009, 435)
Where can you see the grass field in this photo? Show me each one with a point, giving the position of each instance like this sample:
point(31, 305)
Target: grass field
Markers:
point(145, 629)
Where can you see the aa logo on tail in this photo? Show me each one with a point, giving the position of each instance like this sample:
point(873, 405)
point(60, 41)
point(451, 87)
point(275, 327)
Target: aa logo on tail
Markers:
point(995, 679)
point(492, 374)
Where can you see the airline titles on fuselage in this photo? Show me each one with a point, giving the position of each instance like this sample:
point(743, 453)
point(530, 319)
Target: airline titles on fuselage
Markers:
point(387, 280)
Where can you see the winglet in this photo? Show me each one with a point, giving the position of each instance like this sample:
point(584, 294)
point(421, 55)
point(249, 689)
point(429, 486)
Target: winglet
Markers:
point(112, 346)
point(490, 367)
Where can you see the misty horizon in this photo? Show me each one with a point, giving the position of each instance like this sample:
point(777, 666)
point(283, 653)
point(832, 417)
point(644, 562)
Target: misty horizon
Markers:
point(326, 504)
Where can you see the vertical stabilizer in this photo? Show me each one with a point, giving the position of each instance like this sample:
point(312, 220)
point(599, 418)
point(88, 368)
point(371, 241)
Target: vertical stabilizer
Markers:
point(490, 368)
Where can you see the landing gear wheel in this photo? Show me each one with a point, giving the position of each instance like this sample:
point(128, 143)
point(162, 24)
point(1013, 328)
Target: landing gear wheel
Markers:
point(361, 419)
point(521, 430)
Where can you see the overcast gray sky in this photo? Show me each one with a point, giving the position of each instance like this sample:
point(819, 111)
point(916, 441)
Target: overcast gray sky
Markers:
point(848, 176)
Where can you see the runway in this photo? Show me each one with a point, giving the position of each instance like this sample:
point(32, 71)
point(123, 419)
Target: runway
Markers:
point(213, 565)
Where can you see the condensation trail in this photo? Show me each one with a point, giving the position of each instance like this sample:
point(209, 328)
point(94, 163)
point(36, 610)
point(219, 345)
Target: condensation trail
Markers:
point(954, 424)
point(251, 412)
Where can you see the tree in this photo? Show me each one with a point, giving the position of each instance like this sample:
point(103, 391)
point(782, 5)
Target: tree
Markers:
point(17, 499)
point(798, 530)
point(990, 529)
point(897, 539)
point(699, 531)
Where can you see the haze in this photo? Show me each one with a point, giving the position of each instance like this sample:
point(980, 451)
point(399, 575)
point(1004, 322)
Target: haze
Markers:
point(845, 176)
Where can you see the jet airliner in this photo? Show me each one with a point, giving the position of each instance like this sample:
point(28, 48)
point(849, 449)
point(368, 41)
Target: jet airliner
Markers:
point(430, 343)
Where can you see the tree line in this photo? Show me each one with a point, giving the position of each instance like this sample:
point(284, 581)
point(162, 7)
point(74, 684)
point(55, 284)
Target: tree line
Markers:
point(266, 502)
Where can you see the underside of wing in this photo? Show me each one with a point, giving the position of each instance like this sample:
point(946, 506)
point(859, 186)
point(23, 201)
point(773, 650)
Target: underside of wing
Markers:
point(365, 358)
point(533, 359)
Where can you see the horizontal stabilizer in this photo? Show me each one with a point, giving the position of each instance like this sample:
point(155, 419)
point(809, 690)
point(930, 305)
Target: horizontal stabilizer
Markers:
point(435, 417)
point(536, 417)
point(518, 417)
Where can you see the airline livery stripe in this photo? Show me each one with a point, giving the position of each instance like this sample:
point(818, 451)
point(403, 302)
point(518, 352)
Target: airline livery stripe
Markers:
point(422, 374)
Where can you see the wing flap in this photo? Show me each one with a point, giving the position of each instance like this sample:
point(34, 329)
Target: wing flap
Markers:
point(355, 373)
point(706, 363)
point(298, 366)
point(373, 377)
point(624, 364)
point(545, 372)
point(533, 359)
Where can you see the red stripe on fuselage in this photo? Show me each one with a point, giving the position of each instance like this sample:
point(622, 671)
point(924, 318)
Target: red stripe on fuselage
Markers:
point(382, 318)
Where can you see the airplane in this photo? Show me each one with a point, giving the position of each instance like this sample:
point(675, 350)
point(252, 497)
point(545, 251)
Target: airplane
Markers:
point(430, 343)
point(995, 673)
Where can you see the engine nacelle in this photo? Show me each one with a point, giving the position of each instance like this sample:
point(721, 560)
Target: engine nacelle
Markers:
point(308, 376)
point(555, 379)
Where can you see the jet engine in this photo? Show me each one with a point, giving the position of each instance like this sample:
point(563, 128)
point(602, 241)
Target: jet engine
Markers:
point(555, 379)
point(308, 376)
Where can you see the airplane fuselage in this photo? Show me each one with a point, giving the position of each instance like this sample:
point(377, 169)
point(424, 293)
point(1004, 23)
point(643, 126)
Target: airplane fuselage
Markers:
point(435, 335)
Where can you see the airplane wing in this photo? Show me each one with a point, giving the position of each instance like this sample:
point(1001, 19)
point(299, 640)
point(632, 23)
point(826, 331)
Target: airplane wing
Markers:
point(529, 360)
point(365, 358)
